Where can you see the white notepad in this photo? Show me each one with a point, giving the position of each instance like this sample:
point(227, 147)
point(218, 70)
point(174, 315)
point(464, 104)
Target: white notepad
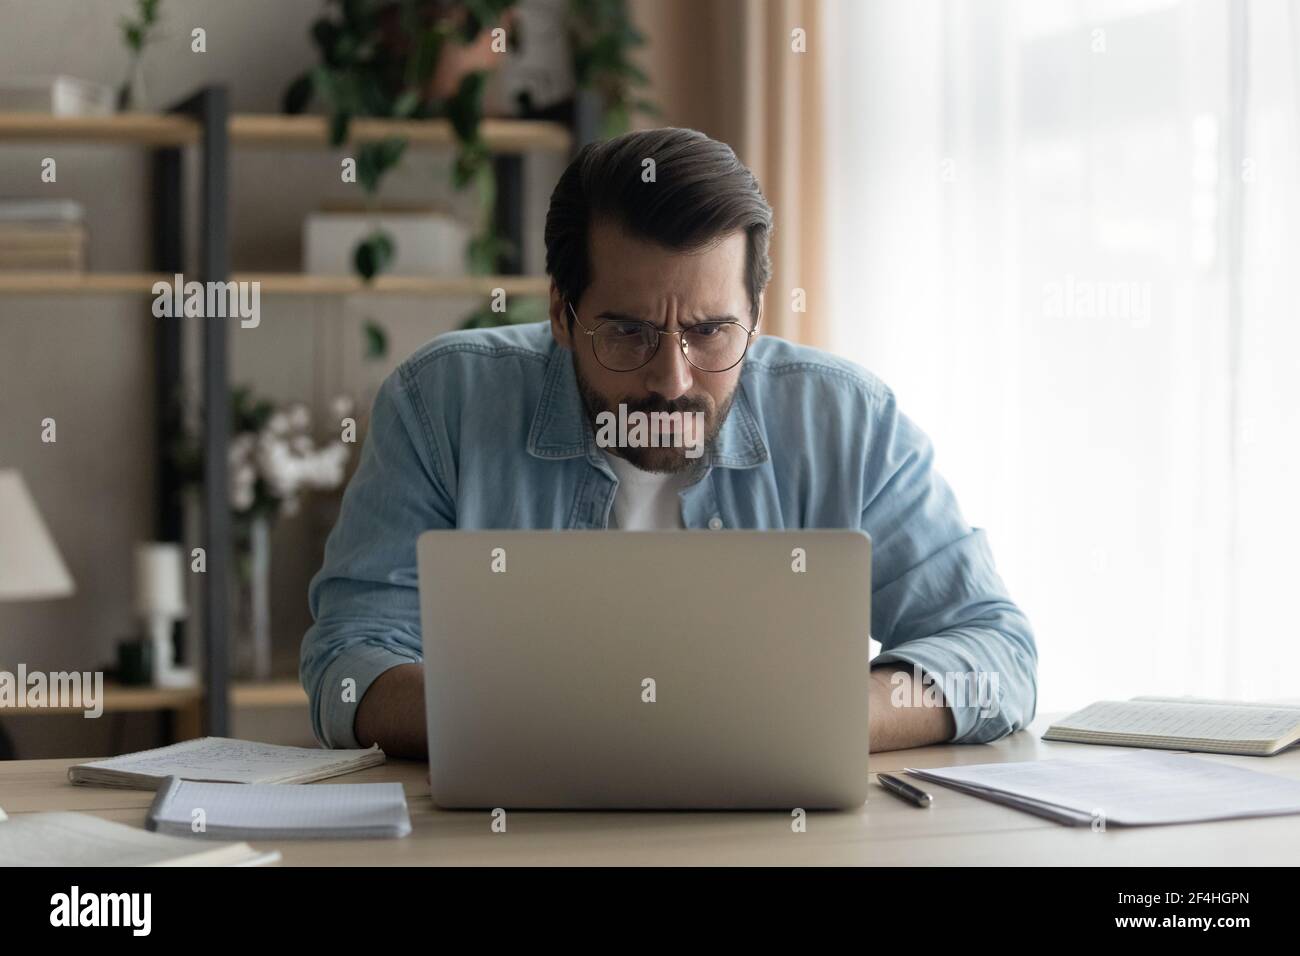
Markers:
point(223, 760)
point(1129, 789)
point(271, 811)
point(1183, 723)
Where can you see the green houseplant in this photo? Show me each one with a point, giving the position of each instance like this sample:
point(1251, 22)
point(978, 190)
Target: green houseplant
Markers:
point(136, 34)
point(408, 59)
point(602, 37)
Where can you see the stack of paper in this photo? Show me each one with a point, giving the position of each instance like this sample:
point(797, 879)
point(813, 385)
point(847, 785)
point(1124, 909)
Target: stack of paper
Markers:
point(1131, 789)
point(223, 760)
point(274, 812)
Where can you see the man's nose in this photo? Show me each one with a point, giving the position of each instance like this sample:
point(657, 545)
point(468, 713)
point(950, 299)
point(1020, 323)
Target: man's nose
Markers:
point(669, 374)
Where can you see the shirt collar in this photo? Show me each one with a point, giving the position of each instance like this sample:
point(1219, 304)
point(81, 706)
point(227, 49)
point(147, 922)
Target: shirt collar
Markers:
point(560, 427)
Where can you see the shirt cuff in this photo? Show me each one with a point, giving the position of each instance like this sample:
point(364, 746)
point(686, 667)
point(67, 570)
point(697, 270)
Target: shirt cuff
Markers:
point(935, 662)
point(336, 710)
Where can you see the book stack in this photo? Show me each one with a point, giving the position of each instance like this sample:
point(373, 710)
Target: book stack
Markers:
point(42, 235)
point(56, 95)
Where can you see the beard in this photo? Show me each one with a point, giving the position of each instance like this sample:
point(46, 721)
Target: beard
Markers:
point(664, 460)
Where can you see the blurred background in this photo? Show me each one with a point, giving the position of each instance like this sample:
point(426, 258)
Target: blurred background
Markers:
point(1059, 230)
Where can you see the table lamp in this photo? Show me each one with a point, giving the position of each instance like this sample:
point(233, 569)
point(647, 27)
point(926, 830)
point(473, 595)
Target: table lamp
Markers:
point(160, 600)
point(31, 568)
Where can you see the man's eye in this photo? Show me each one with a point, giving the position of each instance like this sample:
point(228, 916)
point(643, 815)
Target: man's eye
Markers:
point(707, 329)
point(624, 330)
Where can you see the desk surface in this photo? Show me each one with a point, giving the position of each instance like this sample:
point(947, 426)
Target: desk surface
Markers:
point(957, 829)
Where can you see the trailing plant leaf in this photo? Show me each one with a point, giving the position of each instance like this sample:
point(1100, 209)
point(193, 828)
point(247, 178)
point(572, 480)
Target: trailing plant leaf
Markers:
point(376, 340)
point(373, 254)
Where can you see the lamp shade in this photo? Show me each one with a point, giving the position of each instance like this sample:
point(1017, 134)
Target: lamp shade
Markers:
point(159, 579)
point(30, 565)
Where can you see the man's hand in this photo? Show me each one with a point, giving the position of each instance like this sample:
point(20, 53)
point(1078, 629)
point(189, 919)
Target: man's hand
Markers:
point(900, 727)
point(391, 713)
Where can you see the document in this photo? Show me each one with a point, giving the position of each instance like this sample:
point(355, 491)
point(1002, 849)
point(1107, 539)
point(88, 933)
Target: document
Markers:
point(1128, 789)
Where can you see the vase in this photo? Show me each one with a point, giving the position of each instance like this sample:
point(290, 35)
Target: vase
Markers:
point(132, 97)
point(251, 647)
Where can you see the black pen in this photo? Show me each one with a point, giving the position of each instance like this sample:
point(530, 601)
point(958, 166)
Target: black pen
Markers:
point(901, 788)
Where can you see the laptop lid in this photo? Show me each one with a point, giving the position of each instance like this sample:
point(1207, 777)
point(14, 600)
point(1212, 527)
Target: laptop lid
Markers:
point(646, 670)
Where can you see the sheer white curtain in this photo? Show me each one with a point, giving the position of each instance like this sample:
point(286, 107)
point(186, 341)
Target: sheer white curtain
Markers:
point(1061, 232)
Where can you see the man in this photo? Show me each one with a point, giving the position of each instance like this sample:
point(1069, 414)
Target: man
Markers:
point(657, 248)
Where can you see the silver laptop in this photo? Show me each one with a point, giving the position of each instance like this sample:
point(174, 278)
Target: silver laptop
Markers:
point(646, 670)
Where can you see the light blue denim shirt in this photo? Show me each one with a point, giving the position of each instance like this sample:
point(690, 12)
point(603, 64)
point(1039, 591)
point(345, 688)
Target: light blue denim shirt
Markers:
point(486, 429)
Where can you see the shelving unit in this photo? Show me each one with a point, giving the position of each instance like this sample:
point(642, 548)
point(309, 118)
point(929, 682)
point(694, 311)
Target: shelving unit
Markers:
point(204, 122)
point(272, 129)
point(273, 283)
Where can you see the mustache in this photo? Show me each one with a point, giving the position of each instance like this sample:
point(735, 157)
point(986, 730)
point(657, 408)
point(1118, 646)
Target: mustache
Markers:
point(651, 406)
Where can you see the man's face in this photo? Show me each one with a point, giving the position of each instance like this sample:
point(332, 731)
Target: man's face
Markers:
point(632, 278)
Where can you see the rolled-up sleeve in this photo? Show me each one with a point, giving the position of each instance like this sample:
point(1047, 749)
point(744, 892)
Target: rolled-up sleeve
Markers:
point(938, 604)
point(365, 599)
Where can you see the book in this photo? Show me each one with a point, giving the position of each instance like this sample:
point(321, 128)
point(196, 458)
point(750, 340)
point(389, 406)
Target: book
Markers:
point(79, 839)
point(222, 760)
point(275, 812)
point(1183, 723)
point(28, 212)
point(1131, 789)
point(57, 95)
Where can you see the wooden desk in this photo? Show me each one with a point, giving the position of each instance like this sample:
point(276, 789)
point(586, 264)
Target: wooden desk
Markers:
point(958, 829)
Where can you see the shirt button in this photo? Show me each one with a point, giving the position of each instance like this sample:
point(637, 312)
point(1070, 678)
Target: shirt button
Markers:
point(715, 523)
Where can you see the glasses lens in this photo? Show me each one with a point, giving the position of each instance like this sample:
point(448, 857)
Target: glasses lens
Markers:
point(623, 346)
point(715, 346)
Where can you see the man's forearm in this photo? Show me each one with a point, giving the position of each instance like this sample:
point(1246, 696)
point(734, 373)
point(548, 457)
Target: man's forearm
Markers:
point(900, 727)
point(391, 713)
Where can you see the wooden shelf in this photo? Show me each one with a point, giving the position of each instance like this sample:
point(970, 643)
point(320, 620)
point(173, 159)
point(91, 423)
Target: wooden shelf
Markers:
point(60, 283)
point(121, 699)
point(147, 129)
point(277, 693)
point(289, 283)
point(274, 283)
point(501, 135)
point(270, 129)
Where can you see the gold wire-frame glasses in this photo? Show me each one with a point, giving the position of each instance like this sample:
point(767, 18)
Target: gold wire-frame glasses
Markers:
point(625, 345)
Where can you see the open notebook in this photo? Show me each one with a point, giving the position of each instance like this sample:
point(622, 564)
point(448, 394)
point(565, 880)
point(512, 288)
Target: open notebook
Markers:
point(79, 839)
point(1183, 723)
point(223, 760)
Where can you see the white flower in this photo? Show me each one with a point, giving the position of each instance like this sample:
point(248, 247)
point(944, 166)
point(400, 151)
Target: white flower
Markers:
point(241, 447)
point(342, 406)
point(300, 417)
point(278, 424)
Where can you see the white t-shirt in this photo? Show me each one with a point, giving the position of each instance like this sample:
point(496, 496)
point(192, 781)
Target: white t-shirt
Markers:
point(645, 501)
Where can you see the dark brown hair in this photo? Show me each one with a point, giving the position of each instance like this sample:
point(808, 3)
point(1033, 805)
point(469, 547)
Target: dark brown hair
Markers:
point(701, 193)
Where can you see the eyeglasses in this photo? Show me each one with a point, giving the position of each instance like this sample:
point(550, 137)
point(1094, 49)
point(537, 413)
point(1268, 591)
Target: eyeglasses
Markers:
point(625, 345)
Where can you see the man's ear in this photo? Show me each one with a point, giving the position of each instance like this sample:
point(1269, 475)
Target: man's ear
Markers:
point(559, 315)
